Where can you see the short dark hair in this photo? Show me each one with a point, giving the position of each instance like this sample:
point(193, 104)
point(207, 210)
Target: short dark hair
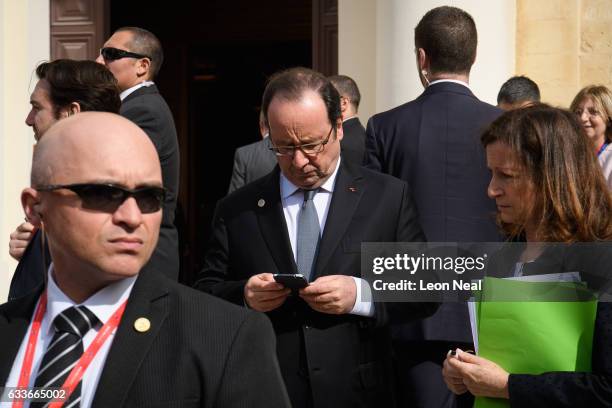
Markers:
point(448, 36)
point(291, 84)
point(518, 89)
point(347, 87)
point(572, 201)
point(88, 83)
point(146, 43)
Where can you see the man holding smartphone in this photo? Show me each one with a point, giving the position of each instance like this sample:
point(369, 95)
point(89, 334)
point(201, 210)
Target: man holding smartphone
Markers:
point(309, 216)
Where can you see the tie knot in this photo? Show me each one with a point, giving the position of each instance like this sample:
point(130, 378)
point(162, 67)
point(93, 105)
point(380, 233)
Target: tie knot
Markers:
point(309, 194)
point(76, 320)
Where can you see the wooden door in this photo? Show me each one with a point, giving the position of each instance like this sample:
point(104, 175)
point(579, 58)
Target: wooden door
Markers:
point(78, 28)
point(325, 36)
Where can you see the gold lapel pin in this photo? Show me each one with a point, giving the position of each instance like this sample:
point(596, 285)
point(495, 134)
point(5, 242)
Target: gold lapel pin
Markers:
point(142, 324)
point(261, 202)
point(352, 189)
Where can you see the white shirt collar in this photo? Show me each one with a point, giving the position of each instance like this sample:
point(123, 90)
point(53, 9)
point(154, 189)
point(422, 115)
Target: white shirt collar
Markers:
point(103, 303)
point(287, 188)
point(347, 119)
point(456, 81)
point(128, 91)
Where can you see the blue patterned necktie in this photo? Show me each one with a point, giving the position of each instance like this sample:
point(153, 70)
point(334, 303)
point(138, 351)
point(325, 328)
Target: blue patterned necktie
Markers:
point(308, 234)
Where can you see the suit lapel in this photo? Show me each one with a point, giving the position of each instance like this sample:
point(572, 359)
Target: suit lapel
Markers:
point(15, 318)
point(345, 199)
point(149, 299)
point(272, 223)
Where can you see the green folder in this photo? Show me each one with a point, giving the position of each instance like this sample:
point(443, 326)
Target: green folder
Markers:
point(530, 333)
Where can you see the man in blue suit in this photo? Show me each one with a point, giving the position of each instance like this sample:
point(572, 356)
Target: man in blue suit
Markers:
point(433, 143)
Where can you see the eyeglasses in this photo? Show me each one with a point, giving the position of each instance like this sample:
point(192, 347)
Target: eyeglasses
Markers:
point(111, 54)
point(108, 197)
point(308, 148)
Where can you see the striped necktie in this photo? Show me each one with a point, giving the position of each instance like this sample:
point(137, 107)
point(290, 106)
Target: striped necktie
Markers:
point(64, 352)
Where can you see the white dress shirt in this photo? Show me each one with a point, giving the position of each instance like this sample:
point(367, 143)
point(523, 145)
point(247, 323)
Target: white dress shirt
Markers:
point(293, 198)
point(102, 304)
point(128, 91)
point(456, 81)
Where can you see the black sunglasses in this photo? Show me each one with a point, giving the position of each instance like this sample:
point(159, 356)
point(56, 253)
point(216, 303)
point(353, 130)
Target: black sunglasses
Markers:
point(108, 197)
point(111, 54)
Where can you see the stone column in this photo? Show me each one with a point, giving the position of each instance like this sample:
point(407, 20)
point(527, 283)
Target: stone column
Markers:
point(24, 42)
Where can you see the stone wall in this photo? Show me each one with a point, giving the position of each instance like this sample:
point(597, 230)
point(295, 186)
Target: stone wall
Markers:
point(564, 45)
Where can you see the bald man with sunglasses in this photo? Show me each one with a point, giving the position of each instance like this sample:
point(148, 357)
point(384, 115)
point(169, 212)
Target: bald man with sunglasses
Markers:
point(105, 329)
point(134, 56)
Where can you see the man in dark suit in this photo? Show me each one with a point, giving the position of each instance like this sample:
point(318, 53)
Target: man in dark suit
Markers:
point(96, 190)
point(433, 144)
point(310, 215)
point(135, 56)
point(353, 142)
point(254, 160)
point(64, 88)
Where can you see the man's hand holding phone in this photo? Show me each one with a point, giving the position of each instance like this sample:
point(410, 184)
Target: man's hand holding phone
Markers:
point(263, 293)
point(333, 294)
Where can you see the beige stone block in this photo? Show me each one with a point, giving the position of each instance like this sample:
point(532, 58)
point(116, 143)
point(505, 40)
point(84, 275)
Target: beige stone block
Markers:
point(551, 71)
point(529, 10)
point(559, 96)
point(595, 69)
point(596, 10)
point(570, 9)
point(597, 37)
point(547, 37)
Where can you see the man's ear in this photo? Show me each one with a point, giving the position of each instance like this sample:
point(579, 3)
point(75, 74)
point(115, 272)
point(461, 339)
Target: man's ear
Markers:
point(344, 104)
point(30, 201)
point(422, 59)
point(70, 110)
point(339, 132)
point(144, 66)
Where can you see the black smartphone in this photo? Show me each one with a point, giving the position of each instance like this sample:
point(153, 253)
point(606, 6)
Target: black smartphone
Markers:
point(291, 281)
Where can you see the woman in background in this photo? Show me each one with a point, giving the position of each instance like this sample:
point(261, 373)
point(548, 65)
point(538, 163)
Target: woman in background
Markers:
point(593, 107)
point(548, 188)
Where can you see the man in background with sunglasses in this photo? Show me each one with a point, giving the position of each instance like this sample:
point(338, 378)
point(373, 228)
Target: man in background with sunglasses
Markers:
point(135, 56)
point(107, 331)
point(310, 216)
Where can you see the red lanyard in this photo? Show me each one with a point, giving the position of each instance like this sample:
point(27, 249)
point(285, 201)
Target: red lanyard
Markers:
point(77, 372)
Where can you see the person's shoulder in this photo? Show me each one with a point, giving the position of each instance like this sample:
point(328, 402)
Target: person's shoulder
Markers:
point(145, 97)
point(396, 113)
point(21, 307)
point(375, 178)
point(212, 312)
point(249, 149)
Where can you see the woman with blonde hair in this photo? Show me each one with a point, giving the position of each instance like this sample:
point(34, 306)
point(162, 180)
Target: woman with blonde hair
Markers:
point(593, 107)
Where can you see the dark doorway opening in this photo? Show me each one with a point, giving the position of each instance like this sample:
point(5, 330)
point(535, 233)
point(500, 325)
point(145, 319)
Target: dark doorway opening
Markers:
point(218, 55)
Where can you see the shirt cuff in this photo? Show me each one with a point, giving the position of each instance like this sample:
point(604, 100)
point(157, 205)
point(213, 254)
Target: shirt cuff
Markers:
point(363, 299)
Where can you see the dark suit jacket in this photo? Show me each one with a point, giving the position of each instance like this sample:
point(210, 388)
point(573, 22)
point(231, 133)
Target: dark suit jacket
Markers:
point(345, 358)
point(199, 352)
point(148, 109)
point(31, 269)
point(567, 389)
point(252, 162)
point(353, 142)
point(433, 143)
